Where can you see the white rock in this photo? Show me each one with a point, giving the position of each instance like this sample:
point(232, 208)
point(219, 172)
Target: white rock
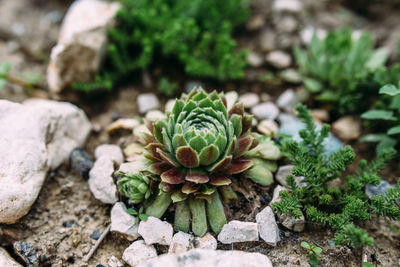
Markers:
point(237, 231)
point(275, 195)
point(170, 105)
point(138, 252)
point(278, 59)
point(287, 24)
point(291, 223)
point(231, 98)
point(267, 227)
point(266, 110)
point(155, 231)
point(101, 182)
point(122, 124)
point(308, 32)
point(255, 22)
point(147, 102)
point(320, 115)
point(82, 43)
point(268, 127)
point(114, 262)
point(205, 242)
point(267, 40)
point(210, 258)
point(181, 242)
point(6, 260)
point(34, 138)
point(292, 6)
point(347, 128)
point(249, 99)
point(287, 100)
point(286, 170)
point(255, 59)
point(113, 152)
point(155, 115)
point(123, 223)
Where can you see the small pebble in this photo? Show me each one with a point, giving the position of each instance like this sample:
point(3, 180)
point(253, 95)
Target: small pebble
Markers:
point(81, 161)
point(96, 234)
point(68, 223)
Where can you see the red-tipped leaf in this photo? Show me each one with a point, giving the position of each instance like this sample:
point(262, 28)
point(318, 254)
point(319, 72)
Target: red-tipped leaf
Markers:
point(222, 164)
point(173, 176)
point(152, 151)
point(187, 157)
point(166, 157)
point(196, 177)
point(167, 187)
point(244, 144)
point(189, 188)
point(219, 179)
point(238, 108)
point(239, 165)
point(159, 167)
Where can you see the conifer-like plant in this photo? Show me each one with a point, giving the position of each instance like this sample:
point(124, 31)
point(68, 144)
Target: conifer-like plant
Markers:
point(192, 156)
point(338, 208)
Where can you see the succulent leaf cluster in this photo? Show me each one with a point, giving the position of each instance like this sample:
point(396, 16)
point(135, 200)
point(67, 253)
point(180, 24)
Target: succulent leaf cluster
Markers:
point(191, 157)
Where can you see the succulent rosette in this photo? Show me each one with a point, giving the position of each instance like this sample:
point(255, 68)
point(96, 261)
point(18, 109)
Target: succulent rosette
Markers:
point(195, 152)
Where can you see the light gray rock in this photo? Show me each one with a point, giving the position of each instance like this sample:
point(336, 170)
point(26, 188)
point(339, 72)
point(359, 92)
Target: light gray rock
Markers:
point(155, 115)
point(287, 100)
point(155, 231)
point(308, 32)
point(285, 171)
point(231, 98)
point(347, 128)
point(266, 110)
point(36, 137)
point(112, 152)
point(275, 195)
point(123, 223)
point(147, 102)
point(6, 260)
point(255, 22)
point(267, 227)
point(210, 258)
point(291, 76)
point(377, 190)
point(268, 127)
point(320, 115)
point(114, 262)
point(287, 24)
point(138, 252)
point(267, 40)
point(278, 59)
point(122, 124)
point(192, 84)
point(101, 182)
point(249, 99)
point(255, 59)
point(205, 242)
point(82, 43)
point(292, 223)
point(169, 105)
point(289, 6)
point(181, 242)
point(237, 231)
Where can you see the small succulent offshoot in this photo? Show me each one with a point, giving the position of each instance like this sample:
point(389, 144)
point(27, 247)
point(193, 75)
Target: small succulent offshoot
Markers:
point(193, 154)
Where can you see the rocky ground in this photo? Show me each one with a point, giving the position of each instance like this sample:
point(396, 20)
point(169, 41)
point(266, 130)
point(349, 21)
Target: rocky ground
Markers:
point(66, 219)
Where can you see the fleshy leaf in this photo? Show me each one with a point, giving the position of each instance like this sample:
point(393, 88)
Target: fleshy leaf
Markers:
point(187, 157)
point(176, 110)
point(209, 155)
point(173, 176)
point(166, 157)
point(152, 151)
point(219, 179)
point(237, 124)
point(197, 176)
point(244, 144)
point(178, 141)
point(239, 165)
point(159, 167)
point(158, 126)
point(238, 108)
point(198, 143)
point(246, 123)
point(166, 187)
point(178, 196)
point(220, 165)
point(189, 188)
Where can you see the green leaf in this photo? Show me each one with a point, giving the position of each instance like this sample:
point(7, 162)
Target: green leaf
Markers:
point(373, 138)
point(377, 59)
point(131, 211)
point(312, 85)
point(313, 259)
point(305, 245)
point(4, 69)
point(394, 130)
point(389, 89)
point(328, 96)
point(3, 83)
point(31, 78)
point(317, 250)
point(367, 264)
point(143, 217)
point(376, 114)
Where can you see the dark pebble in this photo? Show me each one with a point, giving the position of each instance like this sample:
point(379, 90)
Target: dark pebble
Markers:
point(96, 234)
point(68, 223)
point(26, 251)
point(71, 259)
point(81, 161)
point(100, 265)
point(285, 261)
point(42, 258)
point(115, 116)
point(265, 199)
point(331, 244)
point(86, 219)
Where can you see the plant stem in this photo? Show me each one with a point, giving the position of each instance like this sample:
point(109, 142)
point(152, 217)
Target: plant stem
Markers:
point(160, 204)
point(182, 217)
point(215, 213)
point(227, 193)
point(199, 218)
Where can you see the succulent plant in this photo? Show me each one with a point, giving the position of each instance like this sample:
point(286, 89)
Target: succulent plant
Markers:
point(135, 186)
point(194, 154)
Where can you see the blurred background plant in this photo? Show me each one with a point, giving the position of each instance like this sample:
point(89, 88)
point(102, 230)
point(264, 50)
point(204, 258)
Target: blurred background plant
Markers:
point(26, 81)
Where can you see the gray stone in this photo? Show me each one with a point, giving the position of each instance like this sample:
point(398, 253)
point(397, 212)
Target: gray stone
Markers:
point(37, 136)
point(155, 115)
point(255, 59)
point(320, 115)
point(275, 196)
point(155, 231)
point(377, 190)
point(289, 6)
point(138, 252)
point(123, 223)
point(278, 59)
point(266, 110)
point(291, 76)
point(169, 105)
point(114, 262)
point(205, 242)
point(81, 161)
point(267, 40)
point(255, 22)
point(267, 227)
point(287, 24)
point(237, 231)
point(347, 128)
point(101, 182)
point(181, 242)
point(292, 223)
point(113, 152)
point(82, 43)
point(122, 124)
point(308, 32)
point(210, 258)
point(147, 102)
point(285, 171)
point(231, 98)
point(6, 260)
point(287, 100)
point(192, 84)
point(249, 99)
point(268, 127)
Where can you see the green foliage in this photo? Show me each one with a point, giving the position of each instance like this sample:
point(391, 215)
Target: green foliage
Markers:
point(137, 187)
point(337, 208)
point(344, 71)
point(386, 116)
point(314, 253)
point(195, 35)
point(166, 87)
point(27, 80)
point(139, 215)
point(4, 71)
